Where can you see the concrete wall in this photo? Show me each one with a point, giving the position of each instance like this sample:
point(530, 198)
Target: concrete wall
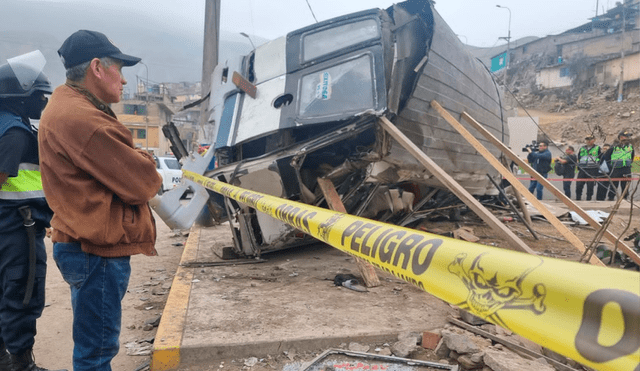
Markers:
point(603, 45)
point(547, 45)
point(609, 72)
point(550, 78)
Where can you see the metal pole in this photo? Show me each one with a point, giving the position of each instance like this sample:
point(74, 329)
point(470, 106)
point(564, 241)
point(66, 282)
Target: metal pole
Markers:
point(247, 36)
point(624, 25)
point(146, 107)
point(508, 40)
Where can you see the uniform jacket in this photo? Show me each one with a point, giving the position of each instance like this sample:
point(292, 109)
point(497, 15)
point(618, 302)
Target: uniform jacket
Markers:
point(19, 155)
point(97, 183)
point(540, 161)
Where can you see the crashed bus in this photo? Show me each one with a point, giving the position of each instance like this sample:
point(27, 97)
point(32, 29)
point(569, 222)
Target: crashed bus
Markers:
point(306, 106)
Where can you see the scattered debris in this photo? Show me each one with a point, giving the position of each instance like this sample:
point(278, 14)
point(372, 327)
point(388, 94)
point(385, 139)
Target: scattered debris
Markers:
point(336, 359)
point(598, 215)
point(349, 281)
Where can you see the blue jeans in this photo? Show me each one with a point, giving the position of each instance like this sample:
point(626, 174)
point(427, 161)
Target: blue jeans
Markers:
point(538, 187)
point(97, 287)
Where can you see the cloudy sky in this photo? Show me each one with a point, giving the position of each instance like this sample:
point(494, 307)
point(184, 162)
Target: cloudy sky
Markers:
point(478, 22)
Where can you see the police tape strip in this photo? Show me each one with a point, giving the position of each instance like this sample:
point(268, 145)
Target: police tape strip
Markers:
point(603, 180)
point(587, 313)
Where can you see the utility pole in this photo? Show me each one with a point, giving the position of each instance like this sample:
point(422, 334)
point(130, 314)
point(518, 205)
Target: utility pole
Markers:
point(146, 107)
point(508, 38)
point(209, 56)
point(624, 25)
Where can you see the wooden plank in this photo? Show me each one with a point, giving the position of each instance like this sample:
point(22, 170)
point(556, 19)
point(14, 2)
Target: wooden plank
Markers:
point(572, 238)
point(367, 270)
point(511, 345)
point(455, 188)
point(556, 192)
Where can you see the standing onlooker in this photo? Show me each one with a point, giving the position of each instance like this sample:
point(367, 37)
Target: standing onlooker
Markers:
point(620, 156)
point(588, 167)
point(569, 161)
point(98, 186)
point(24, 213)
point(604, 186)
point(540, 160)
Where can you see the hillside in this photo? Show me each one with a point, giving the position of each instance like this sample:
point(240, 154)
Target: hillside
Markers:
point(576, 114)
point(171, 54)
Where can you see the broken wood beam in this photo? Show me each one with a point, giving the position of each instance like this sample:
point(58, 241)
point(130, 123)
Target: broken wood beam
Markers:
point(572, 238)
point(454, 187)
point(560, 195)
point(367, 270)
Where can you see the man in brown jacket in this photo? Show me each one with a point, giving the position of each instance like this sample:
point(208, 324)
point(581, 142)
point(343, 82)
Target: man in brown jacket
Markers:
point(98, 186)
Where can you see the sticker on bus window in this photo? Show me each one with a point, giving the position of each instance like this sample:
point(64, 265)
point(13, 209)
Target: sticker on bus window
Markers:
point(323, 90)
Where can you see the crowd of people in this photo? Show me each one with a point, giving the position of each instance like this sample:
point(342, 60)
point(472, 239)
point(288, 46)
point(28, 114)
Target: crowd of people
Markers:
point(603, 170)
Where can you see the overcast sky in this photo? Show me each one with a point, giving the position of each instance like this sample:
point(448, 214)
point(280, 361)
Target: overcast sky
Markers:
point(479, 22)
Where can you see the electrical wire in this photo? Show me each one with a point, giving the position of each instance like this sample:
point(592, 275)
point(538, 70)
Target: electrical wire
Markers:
point(314, 16)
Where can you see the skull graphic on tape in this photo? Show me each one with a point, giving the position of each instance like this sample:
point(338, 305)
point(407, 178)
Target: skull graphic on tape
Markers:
point(325, 228)
point(491, 290)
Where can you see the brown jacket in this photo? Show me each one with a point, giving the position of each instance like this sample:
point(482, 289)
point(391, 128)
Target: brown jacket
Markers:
point(95, 181)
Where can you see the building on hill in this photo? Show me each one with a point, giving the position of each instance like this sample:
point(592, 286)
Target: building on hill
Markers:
point(144, 114)
point(582, 56)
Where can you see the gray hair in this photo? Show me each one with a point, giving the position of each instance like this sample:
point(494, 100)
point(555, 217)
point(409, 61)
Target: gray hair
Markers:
point(77, 73)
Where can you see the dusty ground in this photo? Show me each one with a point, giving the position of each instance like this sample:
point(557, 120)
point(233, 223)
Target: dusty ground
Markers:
point(594, 111)
point(151, 277)
point(278, 276)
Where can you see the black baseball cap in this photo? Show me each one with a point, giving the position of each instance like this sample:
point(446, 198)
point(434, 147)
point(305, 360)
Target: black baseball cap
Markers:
point(624, 133)
point(84, 45)
point(589, 137)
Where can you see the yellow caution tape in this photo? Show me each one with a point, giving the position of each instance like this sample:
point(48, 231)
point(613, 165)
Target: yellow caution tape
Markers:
point(587, 313)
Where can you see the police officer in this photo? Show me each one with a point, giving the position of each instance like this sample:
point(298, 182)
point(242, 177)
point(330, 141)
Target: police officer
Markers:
point(24, 213)
point(588, 166)
point(619, 156)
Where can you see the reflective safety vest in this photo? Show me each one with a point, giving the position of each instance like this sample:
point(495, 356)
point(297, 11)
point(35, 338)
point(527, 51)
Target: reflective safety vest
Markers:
point(621, 156)
point(28, 184)
point(589, 157)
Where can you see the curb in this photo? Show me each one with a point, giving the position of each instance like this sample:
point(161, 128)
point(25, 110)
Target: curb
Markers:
point(166, 347)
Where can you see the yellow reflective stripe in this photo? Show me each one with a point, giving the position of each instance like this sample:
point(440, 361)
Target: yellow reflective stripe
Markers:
point(26, 181)
point(27, 185)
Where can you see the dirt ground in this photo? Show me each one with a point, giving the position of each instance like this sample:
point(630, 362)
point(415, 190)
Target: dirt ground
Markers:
point(152, 276)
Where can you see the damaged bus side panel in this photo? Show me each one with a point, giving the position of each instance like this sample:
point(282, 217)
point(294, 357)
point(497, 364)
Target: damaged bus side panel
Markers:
point(306, 106)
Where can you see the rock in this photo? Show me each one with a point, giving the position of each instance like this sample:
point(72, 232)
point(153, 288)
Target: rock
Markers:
point(509, 361)
point(410, 337)
point(442, 350)
point(355, 347)
point(385, 351)
point(469, 362)
point(153, 321)
point(403, 348)
point(460, 343)
point(250, 362)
